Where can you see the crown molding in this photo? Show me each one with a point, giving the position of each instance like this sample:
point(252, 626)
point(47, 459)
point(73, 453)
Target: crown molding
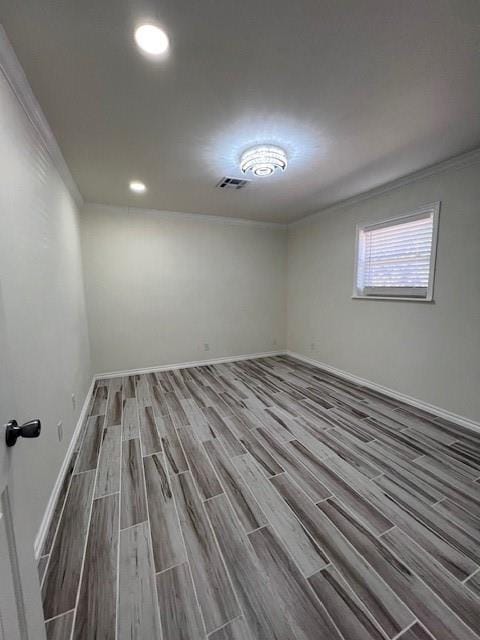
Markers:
point(456, 162)
point(16, 78)
point(190, 217)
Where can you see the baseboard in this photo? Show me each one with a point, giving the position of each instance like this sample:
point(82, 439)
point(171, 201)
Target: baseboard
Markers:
point(185, 365)
point(47, 516)
point(414, 402)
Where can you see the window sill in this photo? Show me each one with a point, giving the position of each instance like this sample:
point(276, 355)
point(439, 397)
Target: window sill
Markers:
point(404, 299)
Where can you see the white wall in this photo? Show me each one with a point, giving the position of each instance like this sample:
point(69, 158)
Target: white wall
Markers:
point(43, 311)
point(430, 351)
point(159, 287)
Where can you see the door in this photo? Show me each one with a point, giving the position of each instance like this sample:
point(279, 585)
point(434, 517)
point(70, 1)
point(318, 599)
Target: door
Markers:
point(20, 601)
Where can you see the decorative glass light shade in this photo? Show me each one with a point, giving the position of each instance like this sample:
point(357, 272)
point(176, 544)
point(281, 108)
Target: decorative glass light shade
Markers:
point(263, 160)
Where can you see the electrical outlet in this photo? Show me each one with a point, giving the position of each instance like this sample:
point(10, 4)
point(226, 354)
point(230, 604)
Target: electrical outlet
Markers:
point(206, 346)
point(274, 343)
point(60, 431)
point(74, 401)
point(312, 346)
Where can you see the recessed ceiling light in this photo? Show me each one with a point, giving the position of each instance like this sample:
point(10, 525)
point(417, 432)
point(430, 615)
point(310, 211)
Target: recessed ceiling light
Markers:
point(137, 186)
point(151, 39)
point(263, 160)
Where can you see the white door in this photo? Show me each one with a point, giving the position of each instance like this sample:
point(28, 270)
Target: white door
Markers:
point(19, 585)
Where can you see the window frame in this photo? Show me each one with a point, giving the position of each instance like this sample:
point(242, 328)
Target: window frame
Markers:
point(359, 294)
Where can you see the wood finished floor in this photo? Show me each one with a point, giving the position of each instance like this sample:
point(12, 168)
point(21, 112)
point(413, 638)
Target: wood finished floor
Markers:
point(263, 499)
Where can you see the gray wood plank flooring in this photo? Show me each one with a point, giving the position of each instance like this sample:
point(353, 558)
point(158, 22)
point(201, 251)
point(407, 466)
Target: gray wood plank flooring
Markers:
point(97, 602)
point(137, 616)
point(60, 628)
point(134, 504)
point(180, 614)
point(168, 548)
point(263, 500)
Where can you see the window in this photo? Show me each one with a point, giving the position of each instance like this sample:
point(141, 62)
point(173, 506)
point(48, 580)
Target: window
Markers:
point(396, 258)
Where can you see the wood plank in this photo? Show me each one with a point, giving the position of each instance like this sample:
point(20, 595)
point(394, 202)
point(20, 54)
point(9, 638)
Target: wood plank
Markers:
point(473, 583)
point(167, 542)
point(304, 551)
point(171, 445)
point(41, 567)
point(346, 610)
point(114, 405)
point(462, 457)
point(294, 467)
point(142, 392)
point(257, 600)
point(416, 632)
point(88, 455)
point(163, 382)
point(232, 445)
point(346, 448)
point(371, 516)
point(128, 387)
point(383, 604)
point(176, 411)
point(307, 616)
point(159, 402)
point(179, 612)
point(243, 502)
point(455, 595)
point(466, 520)
point(408, 474)
point(138, 616)
point(266, 461)
point(216, 597)
point(99, 406)
point(235, 630)
point(215, 401)
point(202, 471)
point(108, 475)
point(197, 420)
point(414, 517)
point(134, 504)
point(422, 601)
point(97, 602)
point(130, 422)
point(462, 554)
point(60, 628)
point(149, 435)
point(63, 572)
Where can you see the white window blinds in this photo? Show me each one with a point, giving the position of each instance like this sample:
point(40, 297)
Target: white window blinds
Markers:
point(395, 258)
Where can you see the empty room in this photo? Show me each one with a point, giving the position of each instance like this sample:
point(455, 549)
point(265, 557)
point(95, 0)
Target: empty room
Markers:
point(240, 320)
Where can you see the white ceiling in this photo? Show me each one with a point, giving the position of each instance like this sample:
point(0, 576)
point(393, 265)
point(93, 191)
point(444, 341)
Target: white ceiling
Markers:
point(359, 92)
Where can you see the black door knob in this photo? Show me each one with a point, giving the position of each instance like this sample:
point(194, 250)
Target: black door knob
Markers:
point(13, 430)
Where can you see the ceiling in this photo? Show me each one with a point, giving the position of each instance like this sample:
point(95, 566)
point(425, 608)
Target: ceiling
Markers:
point(359, 92)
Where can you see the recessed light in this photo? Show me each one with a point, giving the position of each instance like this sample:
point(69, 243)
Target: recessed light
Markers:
point(263, 160)
point(137, 186)
point(151, 39)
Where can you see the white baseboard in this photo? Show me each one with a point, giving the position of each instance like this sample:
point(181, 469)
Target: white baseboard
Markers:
point(47, 516)
point(185, 365)
point(414, 402)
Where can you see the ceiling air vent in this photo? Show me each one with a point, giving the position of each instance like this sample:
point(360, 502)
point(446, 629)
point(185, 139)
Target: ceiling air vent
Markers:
point(232, 183)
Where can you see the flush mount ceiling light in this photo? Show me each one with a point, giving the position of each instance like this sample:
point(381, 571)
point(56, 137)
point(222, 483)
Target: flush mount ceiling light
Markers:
point(151, 39)
point(137, 186)
point(263, 160)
